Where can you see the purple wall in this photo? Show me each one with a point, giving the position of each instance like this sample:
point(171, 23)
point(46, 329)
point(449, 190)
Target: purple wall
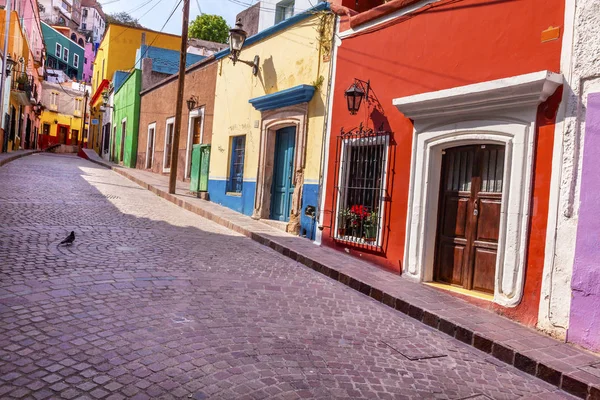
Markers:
point(584, 327)
point(87, 67)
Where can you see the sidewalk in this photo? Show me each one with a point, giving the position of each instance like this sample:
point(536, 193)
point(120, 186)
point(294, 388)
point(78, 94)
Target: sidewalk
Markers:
point(567, 367)
point(13, 155)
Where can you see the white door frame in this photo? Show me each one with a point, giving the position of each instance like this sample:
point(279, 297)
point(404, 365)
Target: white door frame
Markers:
point(169, 121)
point(197, 113)
point(153, 127)
point(503, 112)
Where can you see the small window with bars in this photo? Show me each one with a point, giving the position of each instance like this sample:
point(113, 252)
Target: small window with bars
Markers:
point(361, 188)
point(236, 164)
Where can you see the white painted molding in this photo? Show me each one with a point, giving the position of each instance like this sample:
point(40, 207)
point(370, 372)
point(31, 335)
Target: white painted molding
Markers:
point(197, 113)
point(517, 91)
point(502, 112)
point(170, 121)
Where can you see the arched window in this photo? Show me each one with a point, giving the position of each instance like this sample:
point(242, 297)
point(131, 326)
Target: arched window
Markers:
point(80, 42)
point(73, 37)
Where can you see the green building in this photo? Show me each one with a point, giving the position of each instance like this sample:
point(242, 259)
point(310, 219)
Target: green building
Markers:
point(126, 118)
point(63, 53)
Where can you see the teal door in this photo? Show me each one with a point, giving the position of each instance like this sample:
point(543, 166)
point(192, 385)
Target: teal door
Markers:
point(283, 188)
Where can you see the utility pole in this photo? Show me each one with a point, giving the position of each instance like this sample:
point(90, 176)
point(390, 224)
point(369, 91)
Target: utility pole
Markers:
point(85, 100)
point(179, 105)
point(7, 12)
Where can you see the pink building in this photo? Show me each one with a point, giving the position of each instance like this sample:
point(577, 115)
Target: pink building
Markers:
point(89, 56)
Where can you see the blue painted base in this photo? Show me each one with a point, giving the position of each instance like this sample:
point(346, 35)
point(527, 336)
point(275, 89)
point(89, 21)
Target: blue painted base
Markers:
point(244, 203)
point(310, 197)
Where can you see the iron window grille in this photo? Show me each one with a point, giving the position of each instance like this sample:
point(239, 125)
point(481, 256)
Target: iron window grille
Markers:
point(236, 165)
point(361, 184)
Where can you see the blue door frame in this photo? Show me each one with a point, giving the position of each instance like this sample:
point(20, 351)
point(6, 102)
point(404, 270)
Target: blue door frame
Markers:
point(283, 171)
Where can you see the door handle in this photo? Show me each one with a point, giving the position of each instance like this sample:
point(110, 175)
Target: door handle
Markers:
point(476, 207)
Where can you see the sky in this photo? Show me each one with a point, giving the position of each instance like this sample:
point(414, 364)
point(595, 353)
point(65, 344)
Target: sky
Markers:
point(153, 13)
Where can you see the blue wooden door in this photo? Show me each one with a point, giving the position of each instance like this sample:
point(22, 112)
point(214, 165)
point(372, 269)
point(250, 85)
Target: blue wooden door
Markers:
point(283, 187)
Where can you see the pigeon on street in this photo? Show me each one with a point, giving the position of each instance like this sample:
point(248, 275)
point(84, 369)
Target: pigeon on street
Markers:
point(69, 240)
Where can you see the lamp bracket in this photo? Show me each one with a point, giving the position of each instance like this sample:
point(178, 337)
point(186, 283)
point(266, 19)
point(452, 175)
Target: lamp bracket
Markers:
point(253, 64)
point(365, 86)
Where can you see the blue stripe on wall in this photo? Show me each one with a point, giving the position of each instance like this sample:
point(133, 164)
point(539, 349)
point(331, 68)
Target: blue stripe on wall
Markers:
point(310, 197)
point(243, 204)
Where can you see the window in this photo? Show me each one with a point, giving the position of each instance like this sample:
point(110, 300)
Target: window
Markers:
point(85, 60)
point(58, 52)
point(83, 26)
point(76, 60)
point(78, 102)
point(169, 129)
point(284, 10)
point(54, 98)
point(360, 187)
point(236, 164)
point(84, 12)
point(66, 55)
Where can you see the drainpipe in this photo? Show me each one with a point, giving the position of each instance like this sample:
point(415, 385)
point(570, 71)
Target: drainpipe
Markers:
point(326, 135)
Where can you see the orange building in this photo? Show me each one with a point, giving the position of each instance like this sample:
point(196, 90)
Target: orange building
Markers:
point(443, 172)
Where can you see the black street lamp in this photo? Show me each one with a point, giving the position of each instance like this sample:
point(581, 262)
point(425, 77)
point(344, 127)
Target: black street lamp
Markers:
point(10, 64)
point(237, 38)
point(191, 102)
point(355, 94)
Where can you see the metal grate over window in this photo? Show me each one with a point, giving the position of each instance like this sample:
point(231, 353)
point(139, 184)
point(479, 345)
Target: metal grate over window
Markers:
point(361, 162)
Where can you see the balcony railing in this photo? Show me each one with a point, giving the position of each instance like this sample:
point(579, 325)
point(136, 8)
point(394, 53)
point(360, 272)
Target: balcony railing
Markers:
point(23, 82)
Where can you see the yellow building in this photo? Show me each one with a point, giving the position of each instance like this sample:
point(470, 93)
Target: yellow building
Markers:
point(18, 49)
point(117, 51)
point(268, 128)
point(61, 120)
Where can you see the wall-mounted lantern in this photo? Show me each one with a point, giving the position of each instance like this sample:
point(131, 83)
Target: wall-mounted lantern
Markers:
point(10, 64)
point(355, 94)
point(237, 38)
point(192, 102)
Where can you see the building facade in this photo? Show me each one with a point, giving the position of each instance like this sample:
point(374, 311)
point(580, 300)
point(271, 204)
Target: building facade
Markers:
point(93, 20)
point(157, 118)
point(64, 52)
point(443, 172)
point(61, 12)
point(117, 51)
point(268, 128)
point(62, 119)
point(126, 117)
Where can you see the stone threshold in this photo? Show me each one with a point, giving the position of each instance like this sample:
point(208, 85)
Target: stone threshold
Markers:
point(5, 158)
point(565, 366)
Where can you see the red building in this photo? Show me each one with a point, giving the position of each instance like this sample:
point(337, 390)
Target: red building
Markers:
point(443, 173)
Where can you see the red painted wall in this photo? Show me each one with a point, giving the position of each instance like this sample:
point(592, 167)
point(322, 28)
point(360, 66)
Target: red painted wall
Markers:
point(449, 44)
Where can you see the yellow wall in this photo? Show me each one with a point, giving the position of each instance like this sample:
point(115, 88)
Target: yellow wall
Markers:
point(291, 57)
point(48, 117)
point(118, 49)
point(17, 44)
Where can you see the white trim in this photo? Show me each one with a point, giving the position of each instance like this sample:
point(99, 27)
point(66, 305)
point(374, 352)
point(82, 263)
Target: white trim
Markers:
point(442, 120)
point(76, 60)
point(153, 127)
point(346, 145)
point(545, 320)
point(65, 57)
point(517, 91)
point(198, 112)
point(169, 121)
point(59, 48)
point(382, 20)
point(123, 134)
point(325, 162)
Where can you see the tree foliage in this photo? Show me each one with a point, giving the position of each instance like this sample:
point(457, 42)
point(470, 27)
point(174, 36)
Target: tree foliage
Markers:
point(123, 18)
point(209, 27)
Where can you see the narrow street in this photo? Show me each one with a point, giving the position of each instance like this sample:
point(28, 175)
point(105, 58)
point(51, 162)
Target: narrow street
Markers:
point(152, 301)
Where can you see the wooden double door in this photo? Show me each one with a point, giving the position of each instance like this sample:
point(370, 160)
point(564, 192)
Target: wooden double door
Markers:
point(469, 216)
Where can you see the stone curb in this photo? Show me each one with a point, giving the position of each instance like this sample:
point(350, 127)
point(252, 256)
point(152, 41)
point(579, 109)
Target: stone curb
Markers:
point(17, 156)
point(568, 382)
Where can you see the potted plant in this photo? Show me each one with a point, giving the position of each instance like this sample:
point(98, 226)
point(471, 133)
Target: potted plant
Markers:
point(22, 81)
point(358, 213)
point(371, 225)
point(343, 219)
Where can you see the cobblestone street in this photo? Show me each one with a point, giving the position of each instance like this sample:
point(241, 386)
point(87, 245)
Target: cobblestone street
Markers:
point(152, 301)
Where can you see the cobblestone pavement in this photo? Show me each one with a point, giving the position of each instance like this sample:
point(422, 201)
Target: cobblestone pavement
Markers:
point(152, 301)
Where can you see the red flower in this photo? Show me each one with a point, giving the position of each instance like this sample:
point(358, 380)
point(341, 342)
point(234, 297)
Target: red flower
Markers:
point(360, 211)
